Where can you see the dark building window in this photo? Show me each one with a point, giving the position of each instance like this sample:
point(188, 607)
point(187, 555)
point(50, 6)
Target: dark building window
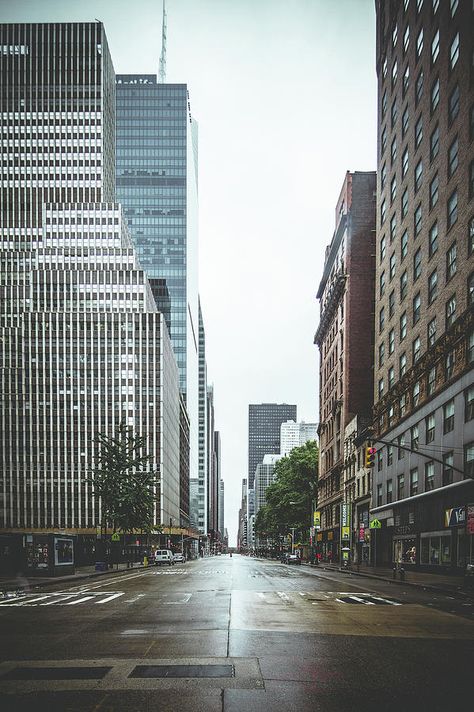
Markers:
point(419, 87)
point(454, 51)
point(431, 381)
point(434, 191)
point(413, 482)
point(434, 95)
point(379, 495)
point(417, 264)
point(434, 143)
point(418, 175)
point(431, 332)
point(470, 290)
point(404, 245)
point(432, 286)
point(415, 437)
point(453, 157)
point(405, 121)
point(418, 132)
point(469, 460)
point(433, 238)
point(403, 326)
point(469, 404)
point(453, 104)
point(450, 311)
point(400, 486)
point(451, 262)
point(430, 428)
point(448, 416)
point(448, 461)
point(429, 476)
point(391, 304)
point(417, 220)
point(435, 47)
point(416, 308)
point(389, 491)
point(405, 203)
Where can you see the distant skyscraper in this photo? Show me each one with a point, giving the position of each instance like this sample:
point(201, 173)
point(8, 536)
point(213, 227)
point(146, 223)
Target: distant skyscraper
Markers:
point(221, 507)
point(265, 420)
point(157, 185)
point(296, 434)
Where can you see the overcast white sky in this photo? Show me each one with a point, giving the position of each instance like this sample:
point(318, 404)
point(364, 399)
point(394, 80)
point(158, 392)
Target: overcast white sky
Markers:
point(285, 95)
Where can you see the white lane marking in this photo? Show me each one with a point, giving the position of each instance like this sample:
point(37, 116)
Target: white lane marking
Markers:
point(386, 600)
point(132, 600)
point(13, 600)
point(32, 600)
point(185, 599)
point(302, 593)
point(362, 600)
point(109, 598)
point(283, 596)
point(58, 601)
point(82, 599)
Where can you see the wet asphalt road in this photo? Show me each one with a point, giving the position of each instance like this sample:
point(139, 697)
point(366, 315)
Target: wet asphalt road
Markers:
point(290, 638)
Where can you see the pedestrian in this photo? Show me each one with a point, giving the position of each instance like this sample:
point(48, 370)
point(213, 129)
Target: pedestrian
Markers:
point(330, 555)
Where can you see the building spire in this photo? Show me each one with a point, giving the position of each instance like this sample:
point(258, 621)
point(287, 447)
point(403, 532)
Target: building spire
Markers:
point(162, 71)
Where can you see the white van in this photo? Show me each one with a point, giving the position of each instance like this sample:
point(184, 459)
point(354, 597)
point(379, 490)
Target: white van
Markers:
point(163, 556)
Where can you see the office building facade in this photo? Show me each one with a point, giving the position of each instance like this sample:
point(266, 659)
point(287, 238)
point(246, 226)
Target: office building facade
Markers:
point(296, 434)
point(423, 491)
point(265, 421)
point(345, 341)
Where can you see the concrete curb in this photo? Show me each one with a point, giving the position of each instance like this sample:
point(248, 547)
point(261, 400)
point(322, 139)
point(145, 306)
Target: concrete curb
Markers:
point(32, 584)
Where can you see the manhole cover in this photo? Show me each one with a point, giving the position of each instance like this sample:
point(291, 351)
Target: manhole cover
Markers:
point(183, 671)
point(56, 673)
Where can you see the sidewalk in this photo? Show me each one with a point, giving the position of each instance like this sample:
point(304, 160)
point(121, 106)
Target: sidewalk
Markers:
point(442, 583)
point(26, 583)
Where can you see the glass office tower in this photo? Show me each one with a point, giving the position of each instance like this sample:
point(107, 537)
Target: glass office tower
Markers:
point(157, 186)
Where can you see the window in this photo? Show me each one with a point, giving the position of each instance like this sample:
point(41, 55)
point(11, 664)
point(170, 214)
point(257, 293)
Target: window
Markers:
point(453, 6)
point(419, 43)
point(470, 290)
point(391, 304)
point(454, 51)
point(389, 454)
point(452, 209)
point(391, 376)
point(403, 285)
point(413, 482)
point(384, 67)
point(394, 113)
point(379, 460)
point(470, 237)
point(390, 418)
point(419, 5)
point(450, 311)
point(419, 88)
point(379, 495)
point(391, 341)
point(403, 364)
point(435, 47)
point(415, 437)
point(429, 476)
point(384, 103)
point(382, 319)
point(470, 347)
point(448, 462)
point(448, 416)
point(418, 175)
point(393, 150)
point(449, 366)
point(389, 491)
point(431, 381)
point(430, 428)
point(383, 175)
point(405, 203)
point(453, 157)
point(382, 284)
point(417, 220)
point(401, 444)
point(400, 486)
point(432, 286)
point(404, 245)
point(434, 143)
point(435, 6)
point(434, 191)
point(381, 388)
point(405, 163)
point(383, 140)
point(451, 262)
point(433, 237)
point(382, 248)
point(393, 264)
point(406, 80)
point(394, 72)
point(393, 189)
point(406, 39)
point(416, 349)
point(471, 179)
point(435, 95)
point(416, 308)
point(469, 460)
point(393, 227)
point(416, 394)
point(417, 264)
point(381, 353)
point(453, 104)
point(383, 212)
point(403, 326)
point(431, 332)
point(394, 35)
point(469, 404)
point(418, 131)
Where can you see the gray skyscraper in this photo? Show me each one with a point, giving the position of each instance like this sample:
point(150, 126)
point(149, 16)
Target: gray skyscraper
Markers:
point(157, 185)
point(265, 420)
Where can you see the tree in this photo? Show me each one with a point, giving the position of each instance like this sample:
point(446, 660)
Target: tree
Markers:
point(124, 481)
point(289, 499)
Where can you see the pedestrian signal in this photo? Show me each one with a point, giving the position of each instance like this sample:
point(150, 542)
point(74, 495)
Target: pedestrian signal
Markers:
point(370, 456)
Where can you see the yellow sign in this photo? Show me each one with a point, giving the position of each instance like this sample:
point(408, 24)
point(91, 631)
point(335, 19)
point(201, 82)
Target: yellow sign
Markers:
point(375, 524)
point(115, 536)
point(317, 520)
point(345, 533)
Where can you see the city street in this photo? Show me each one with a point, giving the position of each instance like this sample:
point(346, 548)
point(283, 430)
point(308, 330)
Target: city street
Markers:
point(234, 634)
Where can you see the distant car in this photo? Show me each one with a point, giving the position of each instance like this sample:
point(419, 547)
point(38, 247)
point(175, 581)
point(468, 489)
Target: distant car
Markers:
point(293, 559)
point(179, 559)
point(163, 556)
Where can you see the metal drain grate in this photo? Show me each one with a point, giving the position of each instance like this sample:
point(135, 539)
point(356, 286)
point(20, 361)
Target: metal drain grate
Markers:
point(56, 673)
point(154, 671)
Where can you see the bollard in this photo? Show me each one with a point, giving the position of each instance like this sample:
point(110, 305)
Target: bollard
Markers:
point(394, 572)
point(402, 574)
point(145, 561)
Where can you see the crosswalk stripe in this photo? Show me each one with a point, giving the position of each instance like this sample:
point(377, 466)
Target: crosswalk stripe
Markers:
point(82, 599)
point(109, 598)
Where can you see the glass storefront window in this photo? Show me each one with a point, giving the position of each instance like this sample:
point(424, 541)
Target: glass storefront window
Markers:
point(404, 551)
point(436, 548)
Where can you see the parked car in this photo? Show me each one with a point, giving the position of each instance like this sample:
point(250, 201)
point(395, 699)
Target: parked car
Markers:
point(163, 556)
point(179, 558)
point(293, 559)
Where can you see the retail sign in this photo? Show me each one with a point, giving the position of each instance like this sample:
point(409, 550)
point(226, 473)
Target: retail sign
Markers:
point(455, 517)
point(470, 518)
point(345, 533)
point(345, 515)
point(317, 520)
point(361, 533)
point(375, 524)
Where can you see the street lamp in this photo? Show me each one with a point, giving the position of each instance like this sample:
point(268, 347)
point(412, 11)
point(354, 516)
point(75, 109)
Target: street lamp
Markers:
point(293, 534)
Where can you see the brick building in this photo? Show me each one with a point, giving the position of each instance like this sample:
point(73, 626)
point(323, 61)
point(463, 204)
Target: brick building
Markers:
point(424, 341)
point(345, 340)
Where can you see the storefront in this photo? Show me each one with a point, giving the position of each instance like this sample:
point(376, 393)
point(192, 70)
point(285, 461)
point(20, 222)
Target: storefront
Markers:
point(49, 554)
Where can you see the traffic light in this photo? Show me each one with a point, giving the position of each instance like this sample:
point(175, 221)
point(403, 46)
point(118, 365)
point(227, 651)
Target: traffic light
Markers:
point(370, 456)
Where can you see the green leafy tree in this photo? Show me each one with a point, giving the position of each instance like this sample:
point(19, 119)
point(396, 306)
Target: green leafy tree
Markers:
point(124, 481)
point(289, 499)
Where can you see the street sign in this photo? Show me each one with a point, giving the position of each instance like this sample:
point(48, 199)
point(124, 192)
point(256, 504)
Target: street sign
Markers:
point(375, 524)
point(115, 536)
